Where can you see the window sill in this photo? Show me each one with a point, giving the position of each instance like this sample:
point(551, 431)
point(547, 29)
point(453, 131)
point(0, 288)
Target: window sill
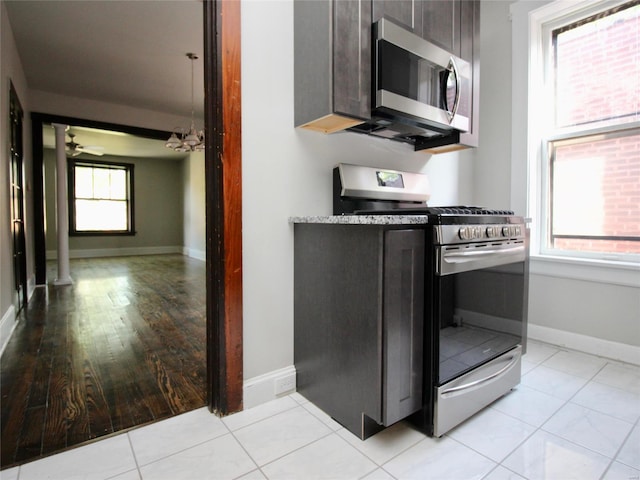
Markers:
point(600, 271)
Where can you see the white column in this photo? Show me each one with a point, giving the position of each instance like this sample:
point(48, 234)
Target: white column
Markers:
point(62, 208)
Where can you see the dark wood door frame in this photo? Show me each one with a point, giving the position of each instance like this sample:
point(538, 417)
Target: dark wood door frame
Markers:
point(223, 173)
point(223, 180)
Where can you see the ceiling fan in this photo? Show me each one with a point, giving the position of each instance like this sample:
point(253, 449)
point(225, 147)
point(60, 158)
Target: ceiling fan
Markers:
point(74, 149)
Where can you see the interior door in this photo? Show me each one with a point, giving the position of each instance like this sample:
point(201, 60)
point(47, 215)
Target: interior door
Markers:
point(17, 200)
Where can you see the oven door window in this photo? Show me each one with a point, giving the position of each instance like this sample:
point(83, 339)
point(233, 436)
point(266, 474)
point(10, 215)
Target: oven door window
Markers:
point(481, 316)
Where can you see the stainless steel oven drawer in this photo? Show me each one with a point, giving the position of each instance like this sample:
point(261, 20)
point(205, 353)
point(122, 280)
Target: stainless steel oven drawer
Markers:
point(459, 399)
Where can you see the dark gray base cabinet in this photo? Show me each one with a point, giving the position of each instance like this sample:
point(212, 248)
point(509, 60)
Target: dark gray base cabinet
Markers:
point(358, 322)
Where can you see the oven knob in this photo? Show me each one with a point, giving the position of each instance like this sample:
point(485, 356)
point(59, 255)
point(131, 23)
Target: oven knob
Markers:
point(478, 232)
point(463, 233)
point(492, 232)
point(505, 231)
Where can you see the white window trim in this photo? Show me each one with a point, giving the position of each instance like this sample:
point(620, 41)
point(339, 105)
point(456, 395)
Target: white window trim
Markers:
point(526, 176)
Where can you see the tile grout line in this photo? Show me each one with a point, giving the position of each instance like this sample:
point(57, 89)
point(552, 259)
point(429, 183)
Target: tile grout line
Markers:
point(263, 418)
point(497, 464)
point(622, 445)
point(248, 455)
point(612, 459)
point(259, 467)
point(135, 457)
point(539, 428)
point(173, 454)
point(378, 465)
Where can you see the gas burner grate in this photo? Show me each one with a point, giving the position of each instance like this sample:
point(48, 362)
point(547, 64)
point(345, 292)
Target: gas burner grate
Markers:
point(465, 210)
point(425, 210)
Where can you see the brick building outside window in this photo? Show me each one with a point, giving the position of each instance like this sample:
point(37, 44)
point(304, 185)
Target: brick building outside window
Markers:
point(592, 134)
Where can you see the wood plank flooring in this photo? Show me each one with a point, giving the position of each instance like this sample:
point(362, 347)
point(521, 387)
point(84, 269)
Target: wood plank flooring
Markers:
point(121, 347)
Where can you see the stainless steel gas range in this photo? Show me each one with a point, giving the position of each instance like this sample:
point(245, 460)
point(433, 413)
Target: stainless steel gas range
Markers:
point(475, 296)
point(404, 310)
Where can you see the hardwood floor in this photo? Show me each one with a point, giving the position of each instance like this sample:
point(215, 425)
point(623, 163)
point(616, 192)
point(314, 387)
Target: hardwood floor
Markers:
point(121, 347)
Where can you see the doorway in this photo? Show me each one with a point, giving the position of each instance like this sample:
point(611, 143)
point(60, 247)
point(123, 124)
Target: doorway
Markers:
point(224, 203)
point(223, 179)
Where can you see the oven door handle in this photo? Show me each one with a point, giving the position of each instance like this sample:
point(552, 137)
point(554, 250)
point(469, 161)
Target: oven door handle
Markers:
point(455, 262)
point(512, 360)
point(457, 257)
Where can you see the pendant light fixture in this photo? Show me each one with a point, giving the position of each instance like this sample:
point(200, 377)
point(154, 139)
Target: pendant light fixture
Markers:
point(187, 140)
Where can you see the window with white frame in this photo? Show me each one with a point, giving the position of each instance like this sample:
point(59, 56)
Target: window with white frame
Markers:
point(100, 198)
point(589, 131)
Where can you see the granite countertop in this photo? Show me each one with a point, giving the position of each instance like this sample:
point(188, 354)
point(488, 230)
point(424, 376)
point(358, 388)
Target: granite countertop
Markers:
point(364, 219)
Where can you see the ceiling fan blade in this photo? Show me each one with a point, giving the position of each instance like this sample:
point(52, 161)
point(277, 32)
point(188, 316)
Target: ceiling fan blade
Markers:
point(91, 150)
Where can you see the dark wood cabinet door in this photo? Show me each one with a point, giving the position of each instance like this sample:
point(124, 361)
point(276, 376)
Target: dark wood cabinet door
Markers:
point(406, 13)
point(403, 323)
point(352, 58)
point(469, 29)
point(441, 24)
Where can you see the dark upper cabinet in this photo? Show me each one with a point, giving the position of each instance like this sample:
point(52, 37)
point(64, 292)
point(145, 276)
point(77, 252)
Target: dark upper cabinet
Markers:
point(437, 21)
point(406, 13)
point(333, 47)
point(470, 51)
point(455, 26)
point(445, 23)
point(332, 64)
point(441, 22)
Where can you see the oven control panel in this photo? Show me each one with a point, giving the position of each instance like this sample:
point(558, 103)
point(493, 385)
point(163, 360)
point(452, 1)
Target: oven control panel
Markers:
point(470, 232)
point(479, 232)
point(451, 234)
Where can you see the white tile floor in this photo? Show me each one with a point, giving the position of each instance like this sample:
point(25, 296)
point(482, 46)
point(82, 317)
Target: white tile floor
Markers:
point(573, 416)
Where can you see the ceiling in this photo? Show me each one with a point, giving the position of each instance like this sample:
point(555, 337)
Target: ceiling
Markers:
point(112, 143)
point(124, 52)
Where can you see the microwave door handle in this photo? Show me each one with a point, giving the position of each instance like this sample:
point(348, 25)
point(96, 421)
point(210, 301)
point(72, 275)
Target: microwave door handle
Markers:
point(451, 69)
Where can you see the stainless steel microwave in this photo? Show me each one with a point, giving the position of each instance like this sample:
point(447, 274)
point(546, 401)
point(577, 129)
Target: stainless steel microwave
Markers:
point(418, 87)
point(417, 78)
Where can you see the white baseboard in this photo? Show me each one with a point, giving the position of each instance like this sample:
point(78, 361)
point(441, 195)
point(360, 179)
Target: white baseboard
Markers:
point(595, 346)
point(7, 325)
point(263, 388)
point(116, 252)
point(193, 253)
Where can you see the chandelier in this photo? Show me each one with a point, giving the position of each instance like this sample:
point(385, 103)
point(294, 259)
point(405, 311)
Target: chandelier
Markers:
point(187, 139)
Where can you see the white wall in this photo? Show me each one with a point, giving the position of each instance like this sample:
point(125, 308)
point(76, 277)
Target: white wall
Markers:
point(158, 211)
point(287, 172)
point(11, 72)
point(194, 238)
point(580, 306)
point(492, 159)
